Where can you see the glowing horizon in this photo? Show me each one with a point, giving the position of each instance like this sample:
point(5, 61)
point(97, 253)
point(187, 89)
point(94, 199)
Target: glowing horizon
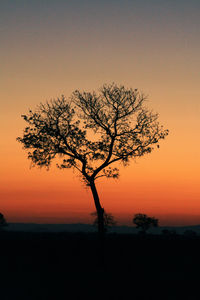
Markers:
point(55, 48)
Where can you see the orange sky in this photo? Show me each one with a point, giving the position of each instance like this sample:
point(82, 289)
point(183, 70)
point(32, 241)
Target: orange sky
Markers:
point(54, 48)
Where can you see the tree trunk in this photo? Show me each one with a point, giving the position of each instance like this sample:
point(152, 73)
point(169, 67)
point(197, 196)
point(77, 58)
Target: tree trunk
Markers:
point(101, 225)
point(99, 209)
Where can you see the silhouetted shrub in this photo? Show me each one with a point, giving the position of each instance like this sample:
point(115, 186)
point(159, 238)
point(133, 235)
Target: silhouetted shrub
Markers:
point(3, 222)
point(108, 219)
point(144, 222)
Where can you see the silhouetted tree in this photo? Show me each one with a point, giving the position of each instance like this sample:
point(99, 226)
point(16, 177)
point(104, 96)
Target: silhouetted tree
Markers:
point(91, 132)
point(3, 222)
point(144, 222)
point(108, 220)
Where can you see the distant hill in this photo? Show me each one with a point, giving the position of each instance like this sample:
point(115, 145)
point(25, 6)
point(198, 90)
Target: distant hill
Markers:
point(79, 227)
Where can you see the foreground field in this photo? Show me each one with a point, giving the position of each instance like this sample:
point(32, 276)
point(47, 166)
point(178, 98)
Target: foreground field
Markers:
point(75, 266)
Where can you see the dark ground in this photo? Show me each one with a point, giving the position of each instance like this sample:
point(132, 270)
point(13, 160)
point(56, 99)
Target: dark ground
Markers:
point(69, 266)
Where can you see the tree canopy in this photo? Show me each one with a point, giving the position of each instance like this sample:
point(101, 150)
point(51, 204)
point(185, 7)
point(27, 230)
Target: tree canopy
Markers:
point(124, 128)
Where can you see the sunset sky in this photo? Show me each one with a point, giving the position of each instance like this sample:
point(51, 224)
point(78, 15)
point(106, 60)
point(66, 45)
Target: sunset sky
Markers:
point(50, 48)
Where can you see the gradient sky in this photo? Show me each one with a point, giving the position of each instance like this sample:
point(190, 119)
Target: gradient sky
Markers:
point(49, 48)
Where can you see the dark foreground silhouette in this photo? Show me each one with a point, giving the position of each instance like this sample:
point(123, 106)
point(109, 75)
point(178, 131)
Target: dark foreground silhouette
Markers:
point(72, 266)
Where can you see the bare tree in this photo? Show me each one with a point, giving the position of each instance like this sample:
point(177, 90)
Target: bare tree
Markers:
point(92, 131)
